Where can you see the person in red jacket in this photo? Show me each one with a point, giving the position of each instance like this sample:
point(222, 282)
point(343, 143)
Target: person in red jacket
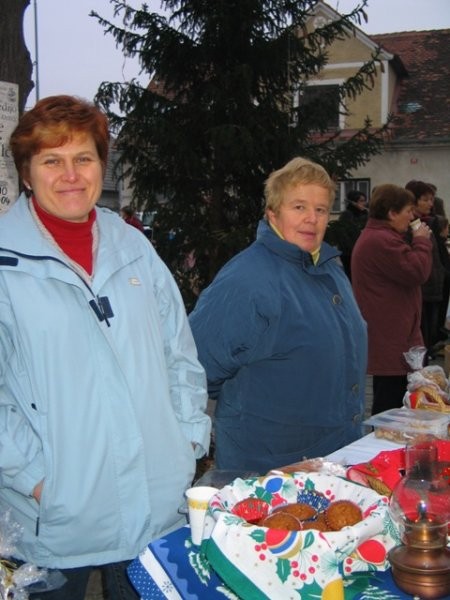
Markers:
point(129, 216)
point(387, 274)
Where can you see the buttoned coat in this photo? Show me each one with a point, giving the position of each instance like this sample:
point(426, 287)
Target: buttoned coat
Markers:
point(284, 348)
point(387, 275)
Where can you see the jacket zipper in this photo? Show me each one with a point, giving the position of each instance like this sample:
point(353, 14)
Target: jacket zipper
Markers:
point(99, 304)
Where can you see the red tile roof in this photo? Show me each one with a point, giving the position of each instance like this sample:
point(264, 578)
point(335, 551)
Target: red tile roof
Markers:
point(423, 103)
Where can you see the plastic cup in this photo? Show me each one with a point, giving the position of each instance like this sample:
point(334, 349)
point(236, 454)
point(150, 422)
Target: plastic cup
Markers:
point(415, 224)
point(197, 500)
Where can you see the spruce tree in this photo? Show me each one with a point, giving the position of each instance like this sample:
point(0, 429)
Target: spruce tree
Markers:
point(219, 115)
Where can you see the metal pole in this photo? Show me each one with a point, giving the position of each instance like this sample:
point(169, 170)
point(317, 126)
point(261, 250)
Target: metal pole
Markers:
point(36, 49)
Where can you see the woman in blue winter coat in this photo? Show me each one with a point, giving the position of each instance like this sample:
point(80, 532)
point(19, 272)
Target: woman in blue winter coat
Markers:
point(280, 335)
point(102, 397)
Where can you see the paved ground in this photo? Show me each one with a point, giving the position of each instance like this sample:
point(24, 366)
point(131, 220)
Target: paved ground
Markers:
point(95, 591)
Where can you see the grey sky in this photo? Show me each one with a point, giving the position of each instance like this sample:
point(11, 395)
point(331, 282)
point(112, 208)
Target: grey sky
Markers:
point(75, 56)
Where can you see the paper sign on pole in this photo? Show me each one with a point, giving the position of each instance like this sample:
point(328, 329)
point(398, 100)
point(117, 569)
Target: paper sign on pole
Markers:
point(9, 116)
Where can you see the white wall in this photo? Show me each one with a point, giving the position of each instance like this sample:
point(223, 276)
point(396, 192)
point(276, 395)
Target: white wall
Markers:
point(398, 166)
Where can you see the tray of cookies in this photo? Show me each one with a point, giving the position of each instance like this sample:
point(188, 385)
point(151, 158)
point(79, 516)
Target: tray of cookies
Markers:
point(295, 534)
point(403, 425)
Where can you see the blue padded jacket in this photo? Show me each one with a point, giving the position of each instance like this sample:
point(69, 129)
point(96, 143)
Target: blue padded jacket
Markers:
point(284, 347)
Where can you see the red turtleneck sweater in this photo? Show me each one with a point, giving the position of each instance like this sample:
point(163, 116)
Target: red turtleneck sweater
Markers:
point(74, 239)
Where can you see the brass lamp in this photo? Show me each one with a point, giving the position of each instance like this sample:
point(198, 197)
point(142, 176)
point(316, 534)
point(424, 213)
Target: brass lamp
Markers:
point(420, 506)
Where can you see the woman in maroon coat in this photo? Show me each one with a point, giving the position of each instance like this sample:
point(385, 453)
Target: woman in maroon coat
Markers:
point(387, 274)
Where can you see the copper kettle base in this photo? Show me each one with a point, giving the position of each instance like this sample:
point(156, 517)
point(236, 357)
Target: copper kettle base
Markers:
point(420, 572)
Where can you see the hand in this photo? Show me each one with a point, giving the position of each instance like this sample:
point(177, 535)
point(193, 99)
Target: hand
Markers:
point(422, 231)
point(38, 491)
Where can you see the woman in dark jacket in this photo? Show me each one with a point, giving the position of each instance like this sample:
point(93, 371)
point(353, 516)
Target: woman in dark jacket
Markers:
point(441, 238)
point(354, 219)
point(387, 276)
point(433, 287)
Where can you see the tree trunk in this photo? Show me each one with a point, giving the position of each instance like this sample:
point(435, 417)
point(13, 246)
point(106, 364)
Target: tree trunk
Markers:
point(15, 61)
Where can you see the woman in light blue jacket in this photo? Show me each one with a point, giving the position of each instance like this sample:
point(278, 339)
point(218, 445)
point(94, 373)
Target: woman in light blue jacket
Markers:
point(101, 395)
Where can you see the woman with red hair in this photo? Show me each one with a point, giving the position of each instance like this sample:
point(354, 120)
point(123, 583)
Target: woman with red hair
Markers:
point(101, 395)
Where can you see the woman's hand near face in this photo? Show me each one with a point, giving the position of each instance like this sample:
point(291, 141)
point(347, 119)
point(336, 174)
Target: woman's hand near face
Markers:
point(422, 231)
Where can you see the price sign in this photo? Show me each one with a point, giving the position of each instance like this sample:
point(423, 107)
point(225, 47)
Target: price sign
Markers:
point(9, 116)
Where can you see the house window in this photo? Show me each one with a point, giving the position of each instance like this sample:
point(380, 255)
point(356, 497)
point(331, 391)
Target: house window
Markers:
point(327, 97)
point(343, 187)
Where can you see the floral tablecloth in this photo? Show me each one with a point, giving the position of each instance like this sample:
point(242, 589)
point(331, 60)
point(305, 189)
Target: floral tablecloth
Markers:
point(172, 568)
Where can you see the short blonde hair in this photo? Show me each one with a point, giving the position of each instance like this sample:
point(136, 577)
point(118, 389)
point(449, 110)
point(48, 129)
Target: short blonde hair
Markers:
point(297, 171)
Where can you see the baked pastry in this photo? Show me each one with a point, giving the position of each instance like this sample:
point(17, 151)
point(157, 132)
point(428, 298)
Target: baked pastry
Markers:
point(435, 374)
point(429, 398)
point(281, 520)
point(342, 513)
point(310, 465)
point(379, 486)
point(299, 510)
point(319, 523)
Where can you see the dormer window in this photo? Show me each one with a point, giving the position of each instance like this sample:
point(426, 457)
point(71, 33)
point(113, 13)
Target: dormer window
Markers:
point(329, 94)
point(409, 107)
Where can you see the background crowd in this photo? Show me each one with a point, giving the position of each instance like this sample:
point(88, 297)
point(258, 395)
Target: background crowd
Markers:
point(400, 277)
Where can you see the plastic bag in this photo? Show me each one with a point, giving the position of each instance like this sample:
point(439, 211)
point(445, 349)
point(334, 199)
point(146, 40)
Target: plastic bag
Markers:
point(415, 357)
point(428, 387)
point(432, 376)
point(14, 579)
